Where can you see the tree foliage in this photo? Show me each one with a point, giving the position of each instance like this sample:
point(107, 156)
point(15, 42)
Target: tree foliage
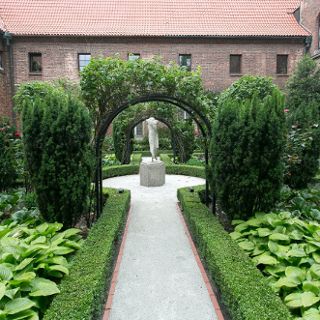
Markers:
point(107, 83)
point(303, 117)
point(182, 129)
point(56, 136)
point(247, 148)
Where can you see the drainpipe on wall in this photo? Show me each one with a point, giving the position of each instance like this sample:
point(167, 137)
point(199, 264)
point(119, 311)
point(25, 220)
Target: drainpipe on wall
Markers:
point(7, 36)
point(307, 44)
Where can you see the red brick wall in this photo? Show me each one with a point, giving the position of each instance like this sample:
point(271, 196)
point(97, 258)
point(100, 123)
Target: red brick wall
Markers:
point(5, 97)
point(310, 14)
point(60, 56)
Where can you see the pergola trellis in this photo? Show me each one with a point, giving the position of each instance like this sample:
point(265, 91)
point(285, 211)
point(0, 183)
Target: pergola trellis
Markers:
point(111, 85)
point(200, 119)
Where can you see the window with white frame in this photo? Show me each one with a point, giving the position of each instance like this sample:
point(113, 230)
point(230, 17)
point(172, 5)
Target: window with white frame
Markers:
point(83, 60)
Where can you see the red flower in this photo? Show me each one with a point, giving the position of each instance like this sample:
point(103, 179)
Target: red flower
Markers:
point(286, 110)
point(17, 134)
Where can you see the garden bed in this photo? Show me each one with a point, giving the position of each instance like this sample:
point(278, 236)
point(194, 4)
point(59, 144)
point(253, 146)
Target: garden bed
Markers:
point(241, 287)
point(84, 291)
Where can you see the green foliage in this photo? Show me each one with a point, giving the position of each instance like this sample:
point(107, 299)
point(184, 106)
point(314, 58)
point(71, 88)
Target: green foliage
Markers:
point(18, 205)
point(122, 170)
point(83, 292)
point(57, 136)
point(247, 149)
point(303, 116)
point(303, 87)
point(32, 259)
point(286, 250)
point(181, 135)
point(242, 288)
point(107, 83)
point(302, 157)
point(248, 87)
point(301, 203)
point(8, 172)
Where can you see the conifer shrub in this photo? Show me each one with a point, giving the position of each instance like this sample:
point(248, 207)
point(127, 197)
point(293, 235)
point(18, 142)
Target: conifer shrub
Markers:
point(8, 173)
point(56, 134)
point(247, 150)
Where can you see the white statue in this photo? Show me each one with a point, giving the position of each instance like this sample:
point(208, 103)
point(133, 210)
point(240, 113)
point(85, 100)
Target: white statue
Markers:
point(153, 137)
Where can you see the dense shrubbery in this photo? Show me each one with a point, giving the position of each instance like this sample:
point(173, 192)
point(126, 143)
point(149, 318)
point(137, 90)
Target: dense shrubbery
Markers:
point(83, 292)
point(286, 250)
point(56, 135)
point(247, 149)
point(33, 257)
point(8, 163)
point(248, 87)
point(303, 117)
point(242, 288)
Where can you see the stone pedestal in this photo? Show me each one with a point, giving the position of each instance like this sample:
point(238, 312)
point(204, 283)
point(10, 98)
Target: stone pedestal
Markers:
point(152, 174)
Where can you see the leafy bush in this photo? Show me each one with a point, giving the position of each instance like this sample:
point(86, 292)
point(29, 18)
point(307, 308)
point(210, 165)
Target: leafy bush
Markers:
point(248, 87)
point(303, 87)
point(83, 292)
point(242, 288)
point(303, 146)
point(8, 173)
point(286, 250)
point(31, 256)
point(246, 150)
point(301, 203)
point(302, 157)
point(19, 205)
point(57, 136)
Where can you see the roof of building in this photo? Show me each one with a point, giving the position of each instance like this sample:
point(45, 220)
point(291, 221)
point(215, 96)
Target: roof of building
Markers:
point(169, 18)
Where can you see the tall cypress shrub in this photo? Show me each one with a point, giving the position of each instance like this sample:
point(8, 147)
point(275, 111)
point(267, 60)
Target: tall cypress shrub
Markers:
point(56, 133)
point(247, 148)
point(8, 172)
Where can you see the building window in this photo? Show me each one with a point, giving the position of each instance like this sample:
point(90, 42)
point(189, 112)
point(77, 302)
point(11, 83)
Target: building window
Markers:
point(282, 64)
point(35, 62)
point(1, 60)
point(133, 56)
point(83, 60)
point(235, 63)
point(185, 61)
point(138, 130)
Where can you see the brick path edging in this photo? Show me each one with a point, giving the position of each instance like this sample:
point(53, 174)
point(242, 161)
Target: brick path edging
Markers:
point(206, 280)
point(108, 305)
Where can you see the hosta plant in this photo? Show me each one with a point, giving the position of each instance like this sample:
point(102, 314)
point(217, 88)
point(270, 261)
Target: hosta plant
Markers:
point(303, 203)
point(287, 250)
point(32, 259)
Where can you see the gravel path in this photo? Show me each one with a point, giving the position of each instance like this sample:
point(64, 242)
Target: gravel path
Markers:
point(159, 278)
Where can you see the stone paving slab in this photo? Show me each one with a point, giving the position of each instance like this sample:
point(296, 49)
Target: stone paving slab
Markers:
point(159, 278)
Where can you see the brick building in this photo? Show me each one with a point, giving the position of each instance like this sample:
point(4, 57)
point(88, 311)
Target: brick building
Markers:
point(50, 39)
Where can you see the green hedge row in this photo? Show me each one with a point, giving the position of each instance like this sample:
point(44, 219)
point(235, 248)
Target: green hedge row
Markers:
point(120, 170)
point(182, 169)
point(243, 289)
point(84, 291)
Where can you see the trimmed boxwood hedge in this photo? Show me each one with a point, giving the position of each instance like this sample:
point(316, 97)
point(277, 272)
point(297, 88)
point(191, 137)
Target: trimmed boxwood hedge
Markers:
point(242, 288)
point(84, 291)
point(121, 170)
point(182, 169)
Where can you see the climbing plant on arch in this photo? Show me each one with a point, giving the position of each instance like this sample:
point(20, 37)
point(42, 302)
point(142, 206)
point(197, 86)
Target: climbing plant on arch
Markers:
point(182, 130)
point(111, 85)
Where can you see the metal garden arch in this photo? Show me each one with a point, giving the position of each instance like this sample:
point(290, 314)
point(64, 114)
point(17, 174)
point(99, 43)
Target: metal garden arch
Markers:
point(198, 116)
